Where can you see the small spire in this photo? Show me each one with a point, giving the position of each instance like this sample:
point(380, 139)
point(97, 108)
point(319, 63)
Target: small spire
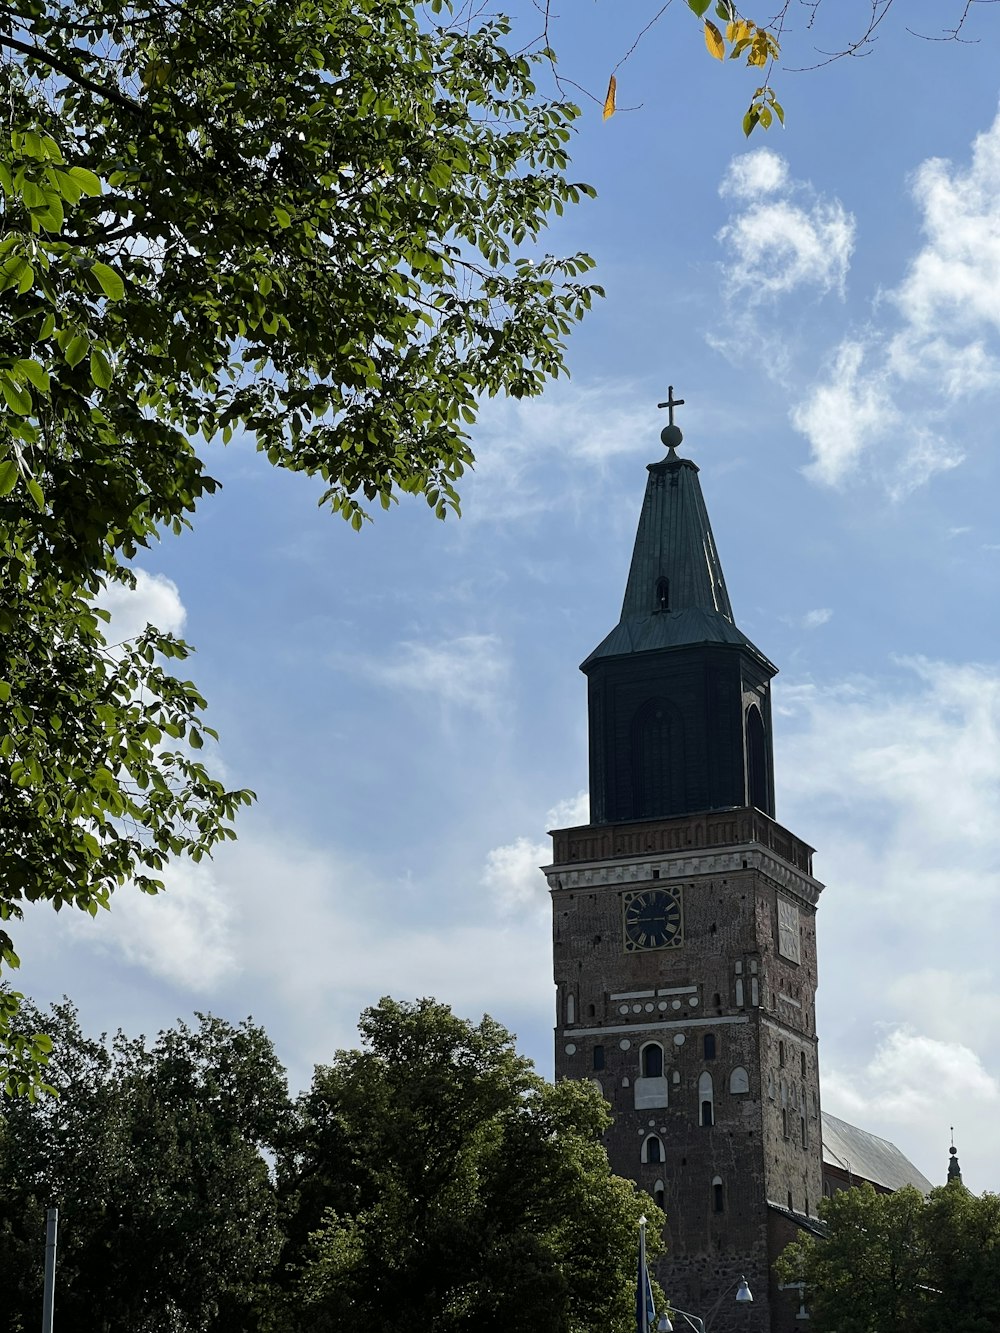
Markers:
point(954, 1170)
point(670, 434)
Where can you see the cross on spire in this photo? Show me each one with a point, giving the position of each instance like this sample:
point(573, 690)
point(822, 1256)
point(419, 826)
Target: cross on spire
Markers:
point(671, 403)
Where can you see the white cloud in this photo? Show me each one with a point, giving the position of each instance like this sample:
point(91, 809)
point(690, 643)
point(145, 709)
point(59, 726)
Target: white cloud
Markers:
point(820, 616)
point(753, 174)
point(777, 245)
point(468, 671)
point(512, 872)
point(897, 783)
point(578, 429)
point(154, 600)
point(885, 391)
point(912, 1091)
point(181, 936)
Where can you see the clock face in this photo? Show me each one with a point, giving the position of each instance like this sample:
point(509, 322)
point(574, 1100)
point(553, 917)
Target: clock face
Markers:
point(653, 919)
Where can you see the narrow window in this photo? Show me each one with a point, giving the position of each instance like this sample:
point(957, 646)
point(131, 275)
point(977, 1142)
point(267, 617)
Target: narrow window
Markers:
point(717, 1200)
point(598, 1085)
point(781, 1054)
point(598, 1057)
point(571, 1008)
point(802, 1058)
point(717, 1000)
point(784, 1123)
point(805, 1141)
point(757, 786)
point(652, 1149)
point(739, 992)
point(652, 1061)
point(709, 1045)
point(662, 594)
point(591, 1011)
point(705, 1099)
point(739, 1080)
point(659, 1195)
point(791, 1206)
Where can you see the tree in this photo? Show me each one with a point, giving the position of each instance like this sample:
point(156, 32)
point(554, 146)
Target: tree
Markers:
point(169, 1221)
point(439, 1180)
point(311, 221)
point(900, 1263)
point(729, 33)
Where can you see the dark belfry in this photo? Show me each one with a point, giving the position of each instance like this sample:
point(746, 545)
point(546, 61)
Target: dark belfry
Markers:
point(679, 697)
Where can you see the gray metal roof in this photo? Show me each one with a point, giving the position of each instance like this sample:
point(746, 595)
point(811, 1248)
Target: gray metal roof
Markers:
point(868, 1157)
point(674, 541)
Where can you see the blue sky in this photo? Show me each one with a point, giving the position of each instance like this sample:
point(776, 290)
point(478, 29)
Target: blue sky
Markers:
point(406, 702)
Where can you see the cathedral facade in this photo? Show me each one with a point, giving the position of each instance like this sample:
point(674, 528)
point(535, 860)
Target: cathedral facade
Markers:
point(684, 936)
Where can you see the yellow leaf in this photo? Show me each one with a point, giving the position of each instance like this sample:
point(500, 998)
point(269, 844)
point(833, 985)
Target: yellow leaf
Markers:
point(713, 40)
point(609, 101)
point(739, 30)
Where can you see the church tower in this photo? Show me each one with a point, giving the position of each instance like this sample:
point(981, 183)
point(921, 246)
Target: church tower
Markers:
point(684, 925)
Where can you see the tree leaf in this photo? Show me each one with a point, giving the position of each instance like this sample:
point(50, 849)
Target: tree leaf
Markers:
point(17, 396)
point(87, 181)
point(8, 475)
point(31, 370)
point(699, 6)
point(100, 369)
point(713, 41)
point(609, 101)
point(111, 282)
point(76, 349)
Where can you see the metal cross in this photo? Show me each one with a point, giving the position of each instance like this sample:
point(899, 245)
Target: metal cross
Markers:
point(671, 402)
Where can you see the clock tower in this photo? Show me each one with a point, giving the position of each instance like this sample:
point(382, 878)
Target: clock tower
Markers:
point(684, 925)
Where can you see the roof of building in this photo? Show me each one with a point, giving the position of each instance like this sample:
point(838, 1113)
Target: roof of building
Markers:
point(676, 591)
point(866, 1156)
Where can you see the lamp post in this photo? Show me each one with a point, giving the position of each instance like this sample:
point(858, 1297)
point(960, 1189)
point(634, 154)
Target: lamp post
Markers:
point(743, 1297)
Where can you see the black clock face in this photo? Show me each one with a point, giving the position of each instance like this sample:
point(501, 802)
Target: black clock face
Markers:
point(653, 920)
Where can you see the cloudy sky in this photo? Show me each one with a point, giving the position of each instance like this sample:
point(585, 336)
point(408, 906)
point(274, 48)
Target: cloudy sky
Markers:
point(406, 702)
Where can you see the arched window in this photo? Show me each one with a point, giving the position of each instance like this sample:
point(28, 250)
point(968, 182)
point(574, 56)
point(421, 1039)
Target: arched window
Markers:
point(652, 1149)
point(739, 1080)
point(784, 1124)
point(802, 1058)
point(781, 1054)
point(658, 770)
point(598, 1057)
point(662, 594)
point(659, 1195)
point(717, 1000)
point(571, 1008)
point(805, 1132)
point(791, 1206)
point(757, 786)
point(706, 1101)
point(651, 1060)
point(598, 1085)
point(708, 1045)
point(718, 1203)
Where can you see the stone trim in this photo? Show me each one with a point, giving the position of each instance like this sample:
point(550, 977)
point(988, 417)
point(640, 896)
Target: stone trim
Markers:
point(657, 1027)
point(685, 865)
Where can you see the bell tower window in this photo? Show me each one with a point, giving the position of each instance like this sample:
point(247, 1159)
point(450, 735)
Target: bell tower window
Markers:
point(662, 594)
point(757, 791)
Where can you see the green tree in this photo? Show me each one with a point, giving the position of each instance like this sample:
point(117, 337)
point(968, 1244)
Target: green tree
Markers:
point(443, 1183)
point(310, 221)
point(900, 1263)
point(169, 1220)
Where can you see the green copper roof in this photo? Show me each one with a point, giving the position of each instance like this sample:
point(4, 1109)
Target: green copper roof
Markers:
point(676, 592)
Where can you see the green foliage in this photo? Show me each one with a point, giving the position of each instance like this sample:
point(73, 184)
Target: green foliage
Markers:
point(900, 1263)
point(445, 1184)
point(305, 220)
point(168, 1220)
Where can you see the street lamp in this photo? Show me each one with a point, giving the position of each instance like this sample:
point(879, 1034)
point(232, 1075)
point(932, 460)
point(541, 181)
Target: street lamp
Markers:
point(743, 1296)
